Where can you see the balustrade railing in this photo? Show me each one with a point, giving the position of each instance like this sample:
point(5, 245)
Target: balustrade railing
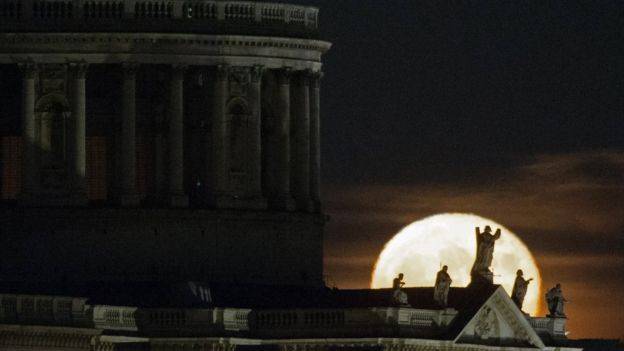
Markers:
point(172, 10)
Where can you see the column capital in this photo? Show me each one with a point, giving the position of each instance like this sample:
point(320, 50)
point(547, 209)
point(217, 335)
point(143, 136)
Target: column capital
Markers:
point(303, 77)
point(222, 72)
point(130, 69)
point(283, 75)
point(315, 78)
point(28, 69)
point(177, 71)
point(78, 70)
point(256, 73)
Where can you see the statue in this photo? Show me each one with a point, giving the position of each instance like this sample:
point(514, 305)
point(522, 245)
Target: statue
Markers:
point(555, 301)
point(520, 288)
point(485, 251)
point(442, 285)
point(399, 296)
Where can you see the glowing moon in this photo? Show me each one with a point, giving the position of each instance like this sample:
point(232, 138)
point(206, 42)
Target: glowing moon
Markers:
point(419, 250)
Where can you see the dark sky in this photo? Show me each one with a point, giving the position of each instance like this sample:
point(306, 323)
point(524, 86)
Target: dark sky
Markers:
point(512, 110)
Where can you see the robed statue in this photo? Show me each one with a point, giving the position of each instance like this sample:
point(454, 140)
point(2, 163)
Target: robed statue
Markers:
point(398, 295)
point(520, 288)
point(485, 252)
point(442, 286)
point(555, 301)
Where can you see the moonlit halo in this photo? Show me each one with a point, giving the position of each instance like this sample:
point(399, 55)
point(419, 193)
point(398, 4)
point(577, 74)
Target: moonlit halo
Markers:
point(421, 248)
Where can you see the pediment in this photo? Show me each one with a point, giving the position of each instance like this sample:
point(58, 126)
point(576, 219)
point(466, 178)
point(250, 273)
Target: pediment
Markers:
point(498, 322)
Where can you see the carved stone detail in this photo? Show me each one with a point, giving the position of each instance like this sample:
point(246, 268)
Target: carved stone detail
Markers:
point(487, 326)
point(315, 79)
point(222, 73)
point(256, 73)
point(78, 70)
point(239, 78)
point(28, 69)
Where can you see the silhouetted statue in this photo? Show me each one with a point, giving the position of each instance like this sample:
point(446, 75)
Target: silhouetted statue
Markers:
point(520, 288)
point(442, 285)
point(485, 252)
point(399, 296)
point(555, 301)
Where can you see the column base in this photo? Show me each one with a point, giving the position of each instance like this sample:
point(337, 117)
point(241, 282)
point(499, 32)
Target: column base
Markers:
point(130, 200)
point(178, 201)
point(237, 202)
point(285, 203)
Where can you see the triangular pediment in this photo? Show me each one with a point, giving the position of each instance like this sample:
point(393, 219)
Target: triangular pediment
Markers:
point(499, 322)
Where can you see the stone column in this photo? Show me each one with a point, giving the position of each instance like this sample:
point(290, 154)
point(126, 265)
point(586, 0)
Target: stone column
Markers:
point(129, 193)
point(78, 71)
point(177, 198)
point(281, 143)
point(255, 103)
point(300, 141)
point(219, 134)
point(30, 168)
point(315, 139)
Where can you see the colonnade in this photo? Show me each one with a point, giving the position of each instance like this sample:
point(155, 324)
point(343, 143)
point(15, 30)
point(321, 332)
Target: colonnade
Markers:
point(293, 155)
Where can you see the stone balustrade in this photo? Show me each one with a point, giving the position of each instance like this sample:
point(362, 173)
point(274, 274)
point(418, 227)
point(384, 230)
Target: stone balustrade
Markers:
point(43, 310)
point(67, 311)
point(48, 14)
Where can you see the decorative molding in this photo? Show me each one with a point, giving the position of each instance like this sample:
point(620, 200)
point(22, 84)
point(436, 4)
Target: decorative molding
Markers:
point(157, 40)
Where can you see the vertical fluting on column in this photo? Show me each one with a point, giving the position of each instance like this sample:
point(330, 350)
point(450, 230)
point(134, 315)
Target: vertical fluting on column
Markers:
point(78, 71)
point(281, 147)
point(219, 133)
point(300, 141)
point(177, 198)
point(315, 139)
point(255, 102)
point(129, 193)
point(30, 169)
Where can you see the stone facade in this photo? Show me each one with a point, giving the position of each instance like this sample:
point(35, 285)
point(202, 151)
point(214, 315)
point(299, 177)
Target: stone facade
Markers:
point(171, 138)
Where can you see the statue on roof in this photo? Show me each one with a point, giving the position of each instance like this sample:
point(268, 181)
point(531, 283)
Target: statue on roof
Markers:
point(398, 295)
point(555, 301)
point(485, 253)
point(520, 288)
point(442, 286)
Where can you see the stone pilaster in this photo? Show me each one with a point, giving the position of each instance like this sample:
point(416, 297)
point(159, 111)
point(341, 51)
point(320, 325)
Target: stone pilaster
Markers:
point(129, 194)
point(219, 133)
point(78, 71)
point(177, 198)
point(30, 147)
point(255, 102)
point(300, 141)
point(315, 139)
point(281, 143)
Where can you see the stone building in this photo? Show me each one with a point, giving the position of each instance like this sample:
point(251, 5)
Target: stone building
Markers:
point(159, 177)
point(159, 140)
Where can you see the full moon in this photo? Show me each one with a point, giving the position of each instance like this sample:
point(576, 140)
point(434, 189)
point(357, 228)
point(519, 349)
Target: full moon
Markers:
point(423, 247)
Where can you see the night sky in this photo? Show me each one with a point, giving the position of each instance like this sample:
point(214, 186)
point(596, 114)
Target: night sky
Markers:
point(512, 110)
